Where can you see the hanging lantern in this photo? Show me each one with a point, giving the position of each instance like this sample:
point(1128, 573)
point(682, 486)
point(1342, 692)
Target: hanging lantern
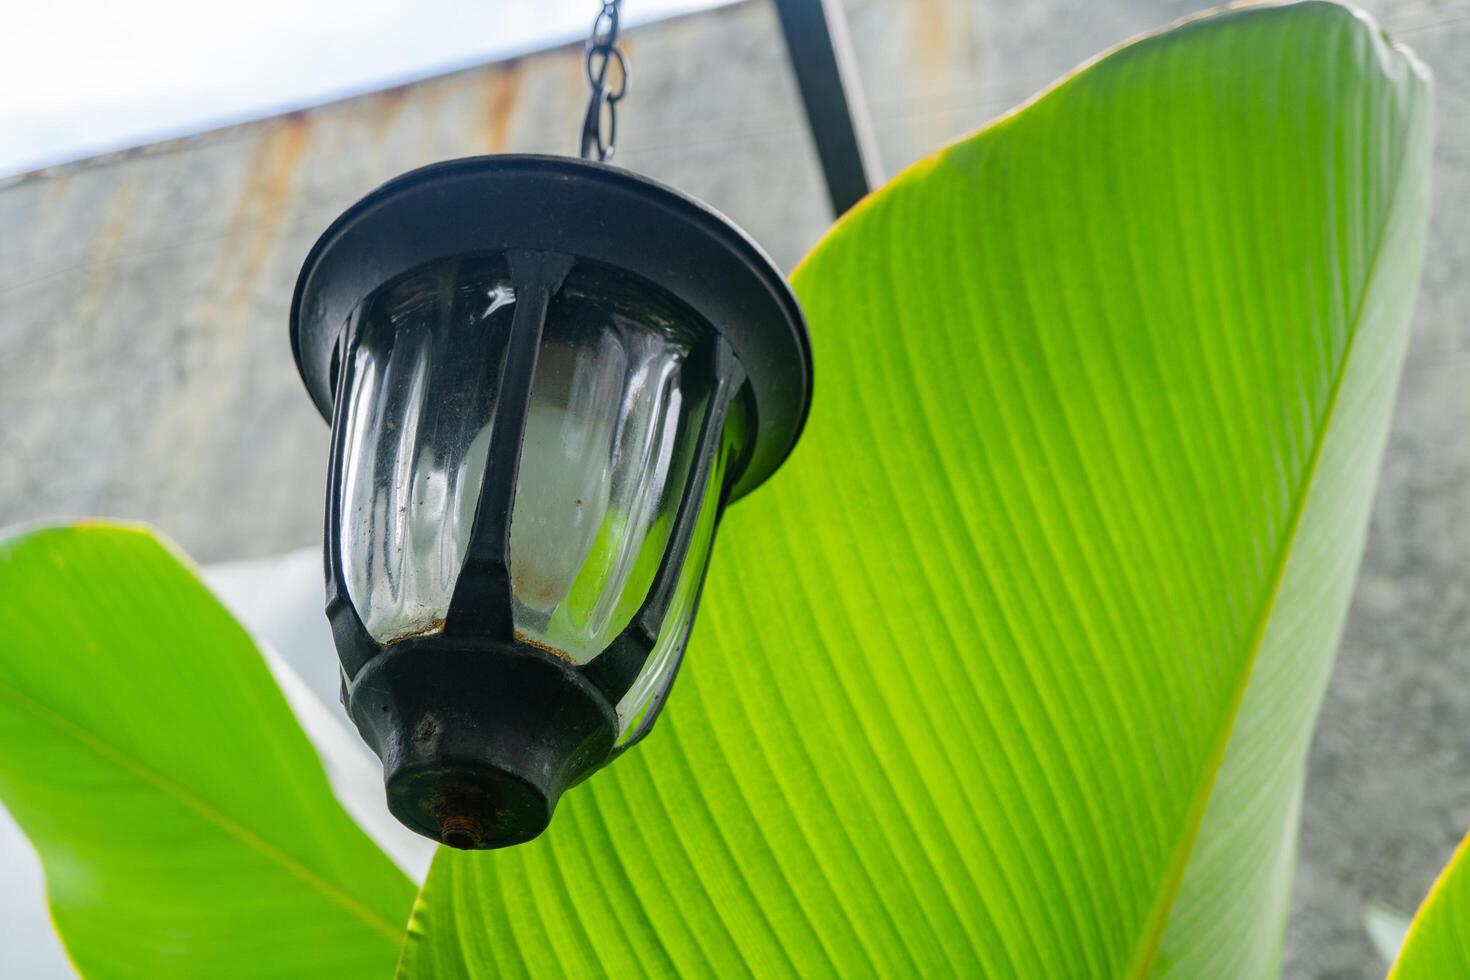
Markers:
point(545, 379)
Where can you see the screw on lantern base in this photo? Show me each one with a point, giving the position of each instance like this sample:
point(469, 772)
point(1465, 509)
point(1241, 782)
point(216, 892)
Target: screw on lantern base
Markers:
point(462, 832)
point(478, 741)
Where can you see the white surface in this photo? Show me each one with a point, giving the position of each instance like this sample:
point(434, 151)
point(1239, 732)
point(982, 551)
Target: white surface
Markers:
point(1386, 930)
point(28, 944)
point(82, 77)
point(280, 601)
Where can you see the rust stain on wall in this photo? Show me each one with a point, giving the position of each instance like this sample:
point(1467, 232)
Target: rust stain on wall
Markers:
point(99, 266)
point(255, 224)
point(505, 94)
point(573, 75)
point(58, 187)
point(930, 30)
point(275, 160)
point(256, 227)
point(388, 106)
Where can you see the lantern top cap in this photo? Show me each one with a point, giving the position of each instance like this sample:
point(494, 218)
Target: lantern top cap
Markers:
point(587, 210)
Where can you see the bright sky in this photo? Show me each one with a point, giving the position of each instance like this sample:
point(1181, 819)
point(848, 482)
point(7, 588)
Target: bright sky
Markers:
point(80, 77)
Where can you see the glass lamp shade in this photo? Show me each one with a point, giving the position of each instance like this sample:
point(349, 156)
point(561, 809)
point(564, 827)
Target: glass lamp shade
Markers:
point(537, 422)
point(624, 385)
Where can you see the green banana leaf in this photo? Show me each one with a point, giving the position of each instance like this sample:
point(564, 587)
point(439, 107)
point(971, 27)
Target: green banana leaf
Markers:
point(1011, 670)
point(1437, 945)
point(183, 820)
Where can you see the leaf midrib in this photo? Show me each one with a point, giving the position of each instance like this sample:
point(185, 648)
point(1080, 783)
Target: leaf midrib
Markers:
point(184, 797)
point(1169, 888)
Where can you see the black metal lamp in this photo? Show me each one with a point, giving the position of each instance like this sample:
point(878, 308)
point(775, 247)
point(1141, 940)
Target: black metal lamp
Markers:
point(546, 378)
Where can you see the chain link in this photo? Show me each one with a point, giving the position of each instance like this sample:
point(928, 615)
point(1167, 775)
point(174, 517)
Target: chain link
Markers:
point(600, 127)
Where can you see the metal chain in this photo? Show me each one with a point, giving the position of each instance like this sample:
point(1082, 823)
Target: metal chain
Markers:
point(602, 50)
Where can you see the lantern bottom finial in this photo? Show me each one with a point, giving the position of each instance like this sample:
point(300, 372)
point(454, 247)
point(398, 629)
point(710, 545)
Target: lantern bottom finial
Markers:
point(461, 831)
point(478, 741)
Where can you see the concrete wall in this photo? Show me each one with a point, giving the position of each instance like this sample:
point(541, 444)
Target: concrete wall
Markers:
point(144, 368)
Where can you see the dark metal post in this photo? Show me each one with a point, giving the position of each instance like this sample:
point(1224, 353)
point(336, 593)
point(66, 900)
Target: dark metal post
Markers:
point(826, 72)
